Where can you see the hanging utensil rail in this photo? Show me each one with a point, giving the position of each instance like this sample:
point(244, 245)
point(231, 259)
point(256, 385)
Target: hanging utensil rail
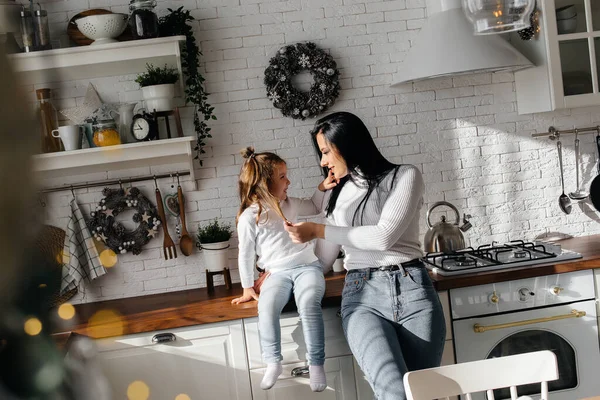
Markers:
point(114, 182)
point(554, 133)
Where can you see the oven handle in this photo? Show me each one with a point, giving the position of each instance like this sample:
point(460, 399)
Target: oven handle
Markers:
point(574, 314)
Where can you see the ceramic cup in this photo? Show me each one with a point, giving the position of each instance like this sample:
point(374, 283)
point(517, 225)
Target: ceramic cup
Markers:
point(338, 265)
point(70, 135)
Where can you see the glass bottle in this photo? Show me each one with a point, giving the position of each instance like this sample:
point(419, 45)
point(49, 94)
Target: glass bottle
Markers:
point(105, 132)
point(42, 32)
point(125, 119)
point(143, 21)
point(48, 120)
point(27, 30)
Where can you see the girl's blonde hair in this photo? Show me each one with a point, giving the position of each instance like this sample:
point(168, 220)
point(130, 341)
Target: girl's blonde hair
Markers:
point(256, 178)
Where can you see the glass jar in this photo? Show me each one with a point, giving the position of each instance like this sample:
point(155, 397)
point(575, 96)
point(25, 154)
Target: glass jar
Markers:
point(47, 117)
point(143, 21)
point(42, 32)
point(105, 133)
point(493, 16)
point(27, 31)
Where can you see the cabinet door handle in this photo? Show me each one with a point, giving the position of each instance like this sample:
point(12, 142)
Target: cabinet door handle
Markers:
point(163, 337)
point(298, 371)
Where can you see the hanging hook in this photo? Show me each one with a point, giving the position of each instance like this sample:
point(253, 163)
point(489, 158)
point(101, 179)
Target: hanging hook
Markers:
point(155, 184)
point(178, 179)
point(42, 201)
point(120, 184)
point(72, 191)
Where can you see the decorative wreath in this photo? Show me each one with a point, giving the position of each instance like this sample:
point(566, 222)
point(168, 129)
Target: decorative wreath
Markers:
point(106, 229)
point(289, 61)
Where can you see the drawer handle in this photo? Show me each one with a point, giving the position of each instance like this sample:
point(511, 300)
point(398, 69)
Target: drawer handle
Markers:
point(163, 338)
point(298, 371)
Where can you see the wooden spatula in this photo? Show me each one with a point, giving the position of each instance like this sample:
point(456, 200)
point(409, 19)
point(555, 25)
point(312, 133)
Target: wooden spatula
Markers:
point(186, 244)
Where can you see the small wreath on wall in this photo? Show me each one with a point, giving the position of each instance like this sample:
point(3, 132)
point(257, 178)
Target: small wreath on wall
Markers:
point(105, 228)
point(289, 61)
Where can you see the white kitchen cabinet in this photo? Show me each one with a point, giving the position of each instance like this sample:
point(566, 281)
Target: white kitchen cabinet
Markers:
point(293, 348)
point(340, 383)
point(566, 63)
point(203, 362)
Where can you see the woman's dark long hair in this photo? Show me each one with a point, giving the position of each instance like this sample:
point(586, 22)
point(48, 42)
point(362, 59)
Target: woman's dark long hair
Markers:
point(353, 142)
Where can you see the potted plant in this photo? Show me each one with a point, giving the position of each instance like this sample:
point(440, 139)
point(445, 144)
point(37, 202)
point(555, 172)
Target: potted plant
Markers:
point(179, 22)
point(158, 87)
point(213, 241)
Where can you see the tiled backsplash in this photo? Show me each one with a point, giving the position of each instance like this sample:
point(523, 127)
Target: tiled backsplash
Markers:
point(463, 133)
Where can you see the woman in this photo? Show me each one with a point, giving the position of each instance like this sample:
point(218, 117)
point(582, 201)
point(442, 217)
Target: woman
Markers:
point(391, 313)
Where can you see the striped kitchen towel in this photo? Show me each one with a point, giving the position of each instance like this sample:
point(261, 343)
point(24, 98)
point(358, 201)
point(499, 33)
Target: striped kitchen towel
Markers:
point(80, 256)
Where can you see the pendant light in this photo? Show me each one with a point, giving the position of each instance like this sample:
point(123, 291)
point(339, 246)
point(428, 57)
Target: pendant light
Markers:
point(498, 16)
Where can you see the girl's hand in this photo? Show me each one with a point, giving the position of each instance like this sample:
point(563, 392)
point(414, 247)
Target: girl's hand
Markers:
point(328, 183)
point(248, 295)
point(303, 232)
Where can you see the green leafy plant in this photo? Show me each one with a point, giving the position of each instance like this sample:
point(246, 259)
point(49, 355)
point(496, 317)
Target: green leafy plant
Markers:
point(177, 23)
point(157, 76)
point(214, 232)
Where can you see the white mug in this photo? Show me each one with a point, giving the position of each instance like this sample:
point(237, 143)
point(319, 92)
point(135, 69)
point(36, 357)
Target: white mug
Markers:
point(70, 135)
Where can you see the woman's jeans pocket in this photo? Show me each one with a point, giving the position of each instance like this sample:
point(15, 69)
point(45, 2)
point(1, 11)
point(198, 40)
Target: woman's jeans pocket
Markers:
point(353, 283)
point(419, 276)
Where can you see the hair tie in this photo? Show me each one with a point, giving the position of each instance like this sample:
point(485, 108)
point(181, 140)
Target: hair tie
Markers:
point(252, 155)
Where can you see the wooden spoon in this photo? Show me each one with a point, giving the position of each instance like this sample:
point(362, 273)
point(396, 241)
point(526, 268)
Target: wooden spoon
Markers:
point(186, 244)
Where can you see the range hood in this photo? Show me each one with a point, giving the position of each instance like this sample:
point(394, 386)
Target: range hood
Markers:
point(446, 46)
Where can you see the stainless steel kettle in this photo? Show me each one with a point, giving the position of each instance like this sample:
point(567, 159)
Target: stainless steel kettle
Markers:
point(443, 236)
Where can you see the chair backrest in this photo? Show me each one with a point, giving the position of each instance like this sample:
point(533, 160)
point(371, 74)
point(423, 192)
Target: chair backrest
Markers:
point(485, 375)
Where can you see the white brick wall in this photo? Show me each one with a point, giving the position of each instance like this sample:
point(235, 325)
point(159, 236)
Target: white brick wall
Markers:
point(463, 132)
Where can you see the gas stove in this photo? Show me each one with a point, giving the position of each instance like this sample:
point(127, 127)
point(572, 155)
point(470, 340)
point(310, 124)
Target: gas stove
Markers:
point(496, 257)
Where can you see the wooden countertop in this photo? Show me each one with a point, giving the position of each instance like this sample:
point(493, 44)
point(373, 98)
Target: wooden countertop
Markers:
point(193, 307)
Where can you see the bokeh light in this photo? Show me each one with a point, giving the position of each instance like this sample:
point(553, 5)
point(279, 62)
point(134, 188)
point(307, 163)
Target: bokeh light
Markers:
point(105, 323)
point(33, 326)
point(183, 396)
point(66, 311)
point(138, 390)
point(108, 258)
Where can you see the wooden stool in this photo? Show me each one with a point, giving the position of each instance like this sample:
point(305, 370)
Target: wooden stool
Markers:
point(209, 279)
point(166, 115)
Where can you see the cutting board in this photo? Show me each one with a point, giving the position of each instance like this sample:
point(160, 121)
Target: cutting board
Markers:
point(79, 38)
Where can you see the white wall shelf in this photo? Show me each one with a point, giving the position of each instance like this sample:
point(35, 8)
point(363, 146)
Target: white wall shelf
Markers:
point(99, 159)
point(111, 59)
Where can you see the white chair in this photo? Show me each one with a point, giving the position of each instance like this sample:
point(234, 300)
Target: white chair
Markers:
point(485, 375)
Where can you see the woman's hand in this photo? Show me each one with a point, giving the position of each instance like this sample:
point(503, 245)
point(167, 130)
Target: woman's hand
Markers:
point(303, 232)
point(328, 183)
point(248, 295)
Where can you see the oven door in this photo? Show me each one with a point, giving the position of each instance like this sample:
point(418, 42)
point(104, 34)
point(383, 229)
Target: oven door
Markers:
point(574, 340)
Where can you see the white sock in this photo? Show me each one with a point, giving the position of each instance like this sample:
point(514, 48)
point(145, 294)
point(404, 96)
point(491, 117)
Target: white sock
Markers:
point(318, 380)
point(271, 374)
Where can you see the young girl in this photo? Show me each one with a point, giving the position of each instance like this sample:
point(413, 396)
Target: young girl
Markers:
point(265, 209)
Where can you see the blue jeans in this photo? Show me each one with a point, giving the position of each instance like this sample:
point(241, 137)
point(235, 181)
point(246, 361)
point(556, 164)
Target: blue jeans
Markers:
point(308, 285)
point(394, 323)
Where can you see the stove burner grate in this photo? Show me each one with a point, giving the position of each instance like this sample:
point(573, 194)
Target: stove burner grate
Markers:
point(463, 261)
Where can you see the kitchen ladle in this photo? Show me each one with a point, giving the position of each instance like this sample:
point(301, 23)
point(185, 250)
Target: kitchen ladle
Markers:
point(563, 201)
point(578, 194)
point(186, 244)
